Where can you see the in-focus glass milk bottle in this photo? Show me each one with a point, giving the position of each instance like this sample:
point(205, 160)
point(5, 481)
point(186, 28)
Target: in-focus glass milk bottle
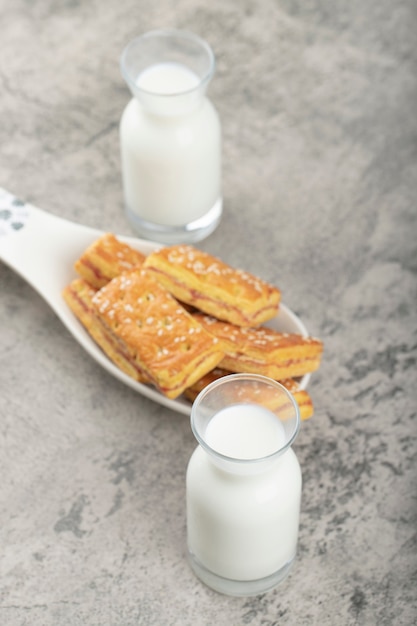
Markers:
point(170, 138)
point(243, 485)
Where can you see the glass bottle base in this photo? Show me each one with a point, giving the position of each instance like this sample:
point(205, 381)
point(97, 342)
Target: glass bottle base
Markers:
point(187, 233)
point(238, 587)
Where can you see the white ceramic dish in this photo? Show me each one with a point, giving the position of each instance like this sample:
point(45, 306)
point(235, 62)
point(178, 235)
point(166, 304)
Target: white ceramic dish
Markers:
point(42, 248)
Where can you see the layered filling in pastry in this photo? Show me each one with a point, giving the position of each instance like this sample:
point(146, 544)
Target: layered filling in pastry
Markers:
point(212, 286)
point(264, 350)
point(106, 258)
point(79, 295)
point(164, 342)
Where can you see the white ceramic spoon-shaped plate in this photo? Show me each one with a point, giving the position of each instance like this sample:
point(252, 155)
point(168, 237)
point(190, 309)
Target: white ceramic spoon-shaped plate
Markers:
point(42, 248)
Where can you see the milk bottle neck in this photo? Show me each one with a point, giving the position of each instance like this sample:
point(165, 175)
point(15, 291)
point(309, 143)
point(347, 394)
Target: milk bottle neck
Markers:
point(170, 105)
point(243, 438)
point(168, 71)
point(238, 469)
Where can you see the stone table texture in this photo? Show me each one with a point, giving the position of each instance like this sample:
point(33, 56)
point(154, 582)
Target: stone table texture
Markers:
point(318, 103)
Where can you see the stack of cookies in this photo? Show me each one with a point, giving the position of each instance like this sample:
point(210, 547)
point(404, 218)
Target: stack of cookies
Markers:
point(179, 318)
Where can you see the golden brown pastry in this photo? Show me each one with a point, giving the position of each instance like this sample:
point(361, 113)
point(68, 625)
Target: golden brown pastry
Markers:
point(212, 286)
point(264, 350)
point(106, 258)
point(135, 317)
point(78, 296)
point(302, 397)
point(153, 331)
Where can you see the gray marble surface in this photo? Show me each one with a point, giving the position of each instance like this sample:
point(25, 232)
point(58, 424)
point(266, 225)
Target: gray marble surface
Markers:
point(318, 102)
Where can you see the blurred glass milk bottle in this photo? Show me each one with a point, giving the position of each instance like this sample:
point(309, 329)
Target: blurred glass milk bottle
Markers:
point(170, 138)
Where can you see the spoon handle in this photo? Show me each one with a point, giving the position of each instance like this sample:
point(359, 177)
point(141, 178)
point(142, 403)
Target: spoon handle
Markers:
point(40, 247)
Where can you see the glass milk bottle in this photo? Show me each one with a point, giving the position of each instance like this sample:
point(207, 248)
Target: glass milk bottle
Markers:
point(170, 138)
point(243, 485)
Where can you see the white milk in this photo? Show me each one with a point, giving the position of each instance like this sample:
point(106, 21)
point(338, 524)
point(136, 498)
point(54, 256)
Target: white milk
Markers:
point(245, 431)
point(243, 526)
point(167, 79)
point(170, 149)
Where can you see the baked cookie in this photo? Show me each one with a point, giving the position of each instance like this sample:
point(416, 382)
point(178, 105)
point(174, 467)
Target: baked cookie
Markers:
point(167, 345)
point(263, 350)
point(106, 258)
point(78, 295)
point(212, 286)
